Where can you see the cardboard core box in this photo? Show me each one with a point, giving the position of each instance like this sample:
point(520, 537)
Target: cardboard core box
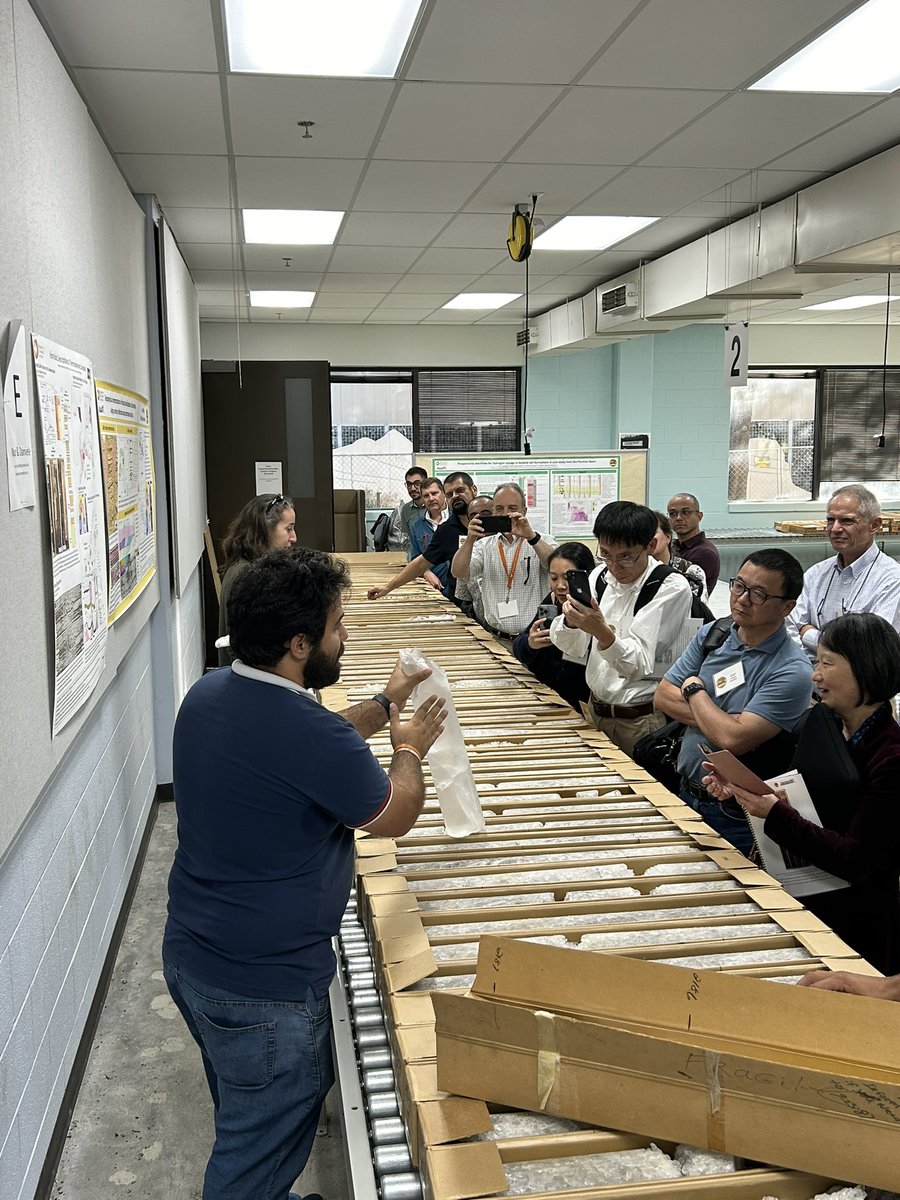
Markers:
point(793, 1076)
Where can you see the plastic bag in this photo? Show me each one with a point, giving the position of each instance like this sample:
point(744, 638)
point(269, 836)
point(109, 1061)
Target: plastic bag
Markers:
point(448, 758)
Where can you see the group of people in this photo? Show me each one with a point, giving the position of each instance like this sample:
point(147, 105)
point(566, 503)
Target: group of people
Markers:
point(270, 785)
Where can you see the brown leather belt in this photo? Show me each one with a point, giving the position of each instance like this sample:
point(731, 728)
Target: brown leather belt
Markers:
point(623, 711)
point(507, 637)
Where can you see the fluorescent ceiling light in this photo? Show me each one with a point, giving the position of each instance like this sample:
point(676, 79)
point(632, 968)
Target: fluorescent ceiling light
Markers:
point(590, 233)
point(850, 302)
point(291, 226)
point(281, 299)
point(859, 54)
point(307, 37)
point(486, 300)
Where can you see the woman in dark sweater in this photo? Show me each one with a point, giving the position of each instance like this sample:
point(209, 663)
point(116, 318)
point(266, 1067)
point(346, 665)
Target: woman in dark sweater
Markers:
point(533, 646)
point(857, 673)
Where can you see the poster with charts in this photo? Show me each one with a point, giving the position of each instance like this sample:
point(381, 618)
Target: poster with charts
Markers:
point(71, 443)
point(563, 494)
point(129, 491)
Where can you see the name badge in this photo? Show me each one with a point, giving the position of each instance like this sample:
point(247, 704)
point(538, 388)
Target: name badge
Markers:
point(508, 608)
point(728, 678)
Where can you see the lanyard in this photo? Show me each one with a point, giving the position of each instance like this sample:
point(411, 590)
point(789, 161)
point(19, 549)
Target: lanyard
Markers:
point(510, 572)
point(846, 605)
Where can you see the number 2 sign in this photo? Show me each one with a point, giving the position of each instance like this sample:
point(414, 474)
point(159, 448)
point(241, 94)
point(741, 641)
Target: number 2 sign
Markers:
point(737, 341)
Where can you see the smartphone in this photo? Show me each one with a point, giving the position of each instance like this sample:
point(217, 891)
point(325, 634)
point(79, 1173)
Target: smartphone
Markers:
point(548, 613)
point(492, 524)
point(579, 587)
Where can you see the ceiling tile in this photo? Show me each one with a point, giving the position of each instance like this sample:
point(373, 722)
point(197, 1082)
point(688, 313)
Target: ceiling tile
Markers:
point(423, 284)
point(350, 316)
point(171, 35)
point(722, 43)
point(561, 187)
point(421, 186)
point(348, 299)
point(868, 133)
point(750, 129)
point(611, 125)
point(271, 258)
point(397, 316)
point(156, 112)
point(559, 262)
point(211, 256)
point(433, 122)
point(265, 111)
point(670, 232)
point(655, 191)
point(219, 312)
point(179, 180)
point(200, 224)
point(426, 300)
point(458, 261)
point(478, 42)
point(477, 230)
point(300, 281)
point(391, 229)
point(761, 187)
point(373, 258)
point(327, 183)
point(351, 281)
point(222, 297)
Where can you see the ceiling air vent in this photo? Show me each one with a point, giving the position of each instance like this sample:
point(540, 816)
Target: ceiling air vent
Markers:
point(623, 298)
point(527, 337)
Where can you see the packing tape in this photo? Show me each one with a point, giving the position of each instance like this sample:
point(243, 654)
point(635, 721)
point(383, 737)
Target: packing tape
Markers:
point(547, 1057)
point(715, 1118)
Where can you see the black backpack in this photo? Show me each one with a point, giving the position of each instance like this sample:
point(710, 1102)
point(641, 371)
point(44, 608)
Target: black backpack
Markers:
point(652, 584)
point(380, 531)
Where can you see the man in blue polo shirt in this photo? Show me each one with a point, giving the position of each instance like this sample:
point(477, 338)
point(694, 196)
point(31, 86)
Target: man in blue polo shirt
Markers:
point(269, 787)
point(747, 694)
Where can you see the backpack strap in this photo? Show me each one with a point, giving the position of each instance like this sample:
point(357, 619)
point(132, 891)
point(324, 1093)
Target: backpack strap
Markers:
point(716, 635)
point(652, 584)
point(600, 585)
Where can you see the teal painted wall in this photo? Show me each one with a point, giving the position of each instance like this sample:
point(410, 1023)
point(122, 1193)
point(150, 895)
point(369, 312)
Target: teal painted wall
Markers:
point(570, 401)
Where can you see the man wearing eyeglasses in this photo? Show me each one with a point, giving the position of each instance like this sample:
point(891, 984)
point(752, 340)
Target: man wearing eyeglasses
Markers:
point(746, 694)
point(509, 570)
point(627, 638)
point(405, 515)
point(692, 543)
point(860, 578)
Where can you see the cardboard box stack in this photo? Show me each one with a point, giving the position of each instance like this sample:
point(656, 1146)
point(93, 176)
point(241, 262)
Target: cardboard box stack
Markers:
point(584, 855)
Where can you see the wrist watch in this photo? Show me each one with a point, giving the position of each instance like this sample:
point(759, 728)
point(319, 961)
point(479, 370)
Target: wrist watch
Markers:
point(691, 689)
point(533, 541)
point(382, 699)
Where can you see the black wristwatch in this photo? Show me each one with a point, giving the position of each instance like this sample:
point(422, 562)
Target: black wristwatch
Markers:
point(533, 541)
point(691, 689)
point(382, 699)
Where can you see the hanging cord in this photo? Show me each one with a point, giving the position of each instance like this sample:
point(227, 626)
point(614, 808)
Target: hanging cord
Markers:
point(879, 441)
point(526, 441)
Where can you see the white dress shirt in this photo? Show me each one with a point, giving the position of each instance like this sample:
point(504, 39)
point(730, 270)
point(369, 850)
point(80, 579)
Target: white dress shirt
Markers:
point(870, 584)
point(530, 582)
point(643, 649)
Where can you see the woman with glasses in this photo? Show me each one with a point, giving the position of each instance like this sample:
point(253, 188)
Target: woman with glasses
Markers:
point(264, 523)
point(533, 646)
point(857, 672)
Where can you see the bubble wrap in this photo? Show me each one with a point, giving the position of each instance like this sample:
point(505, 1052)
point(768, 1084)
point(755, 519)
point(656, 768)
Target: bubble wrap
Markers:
point(753, 958)
point(513, 860)
point(688, 868)
point(463, 902)
point(713, 885)
point(703, 933)
point(575, 874)
point(527, 1124)
point(589, 1170)
point(437, 983)
point(694, 1161)
point(579, 920)
point(508, 785)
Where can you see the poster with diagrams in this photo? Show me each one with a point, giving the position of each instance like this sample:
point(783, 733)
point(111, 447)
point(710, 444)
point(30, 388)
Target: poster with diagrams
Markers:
point(68, 415)
point(563, 494)
point(130, 493)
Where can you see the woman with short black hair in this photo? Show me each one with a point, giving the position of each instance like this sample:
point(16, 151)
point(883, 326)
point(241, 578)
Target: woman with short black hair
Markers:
point(856, 675)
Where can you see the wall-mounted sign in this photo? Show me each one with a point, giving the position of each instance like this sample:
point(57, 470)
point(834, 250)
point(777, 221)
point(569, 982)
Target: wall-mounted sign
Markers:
point(634, 441)
point(17, 416)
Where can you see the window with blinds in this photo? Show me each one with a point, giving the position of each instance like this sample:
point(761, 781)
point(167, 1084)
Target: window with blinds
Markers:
point(856, 404)
point(468, 410)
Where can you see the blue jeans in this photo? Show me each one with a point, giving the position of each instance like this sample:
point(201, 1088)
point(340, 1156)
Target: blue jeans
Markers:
point(726, 817)
point(269, 1067)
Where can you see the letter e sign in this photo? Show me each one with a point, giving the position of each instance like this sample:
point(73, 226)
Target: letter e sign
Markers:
point(737, 341)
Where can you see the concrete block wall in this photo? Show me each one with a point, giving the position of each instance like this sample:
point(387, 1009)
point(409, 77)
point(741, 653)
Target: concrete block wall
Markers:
point(62, 883)
point(570, 401)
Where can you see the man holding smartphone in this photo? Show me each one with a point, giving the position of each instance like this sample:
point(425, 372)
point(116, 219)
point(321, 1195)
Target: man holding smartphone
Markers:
point(628, 638)
point(509, 567)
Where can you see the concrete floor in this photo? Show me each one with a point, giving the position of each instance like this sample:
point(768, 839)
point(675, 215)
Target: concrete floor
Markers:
point(142, 1125)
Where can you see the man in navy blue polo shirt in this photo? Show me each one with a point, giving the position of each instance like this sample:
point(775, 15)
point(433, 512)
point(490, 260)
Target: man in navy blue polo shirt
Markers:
point(269, 787)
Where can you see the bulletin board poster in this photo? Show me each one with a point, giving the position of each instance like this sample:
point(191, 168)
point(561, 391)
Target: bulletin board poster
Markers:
point(69, 426)
point(129, 486)
point(563, 495)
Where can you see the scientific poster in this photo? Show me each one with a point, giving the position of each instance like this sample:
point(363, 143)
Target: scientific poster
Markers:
point(130, 493)
point(68, 414)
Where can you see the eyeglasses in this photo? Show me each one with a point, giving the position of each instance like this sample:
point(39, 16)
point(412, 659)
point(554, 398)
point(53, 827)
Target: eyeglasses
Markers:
point(756, 594)
point(681, 512)
point(276, 502)
point(619, 560)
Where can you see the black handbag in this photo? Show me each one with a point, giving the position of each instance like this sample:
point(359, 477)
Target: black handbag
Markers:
point(657, 753)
